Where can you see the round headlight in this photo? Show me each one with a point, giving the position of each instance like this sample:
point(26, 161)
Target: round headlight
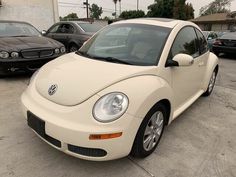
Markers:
point(57, 51)
point(63, 49)
point(14, 54)
point(110, 107)
point(4, 54)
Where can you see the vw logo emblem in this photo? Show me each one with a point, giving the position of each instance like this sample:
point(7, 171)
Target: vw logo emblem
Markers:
point(52, 89)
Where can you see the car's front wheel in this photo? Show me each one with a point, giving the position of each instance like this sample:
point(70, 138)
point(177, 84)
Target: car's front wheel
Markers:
point(211, 84)
point(150, 132)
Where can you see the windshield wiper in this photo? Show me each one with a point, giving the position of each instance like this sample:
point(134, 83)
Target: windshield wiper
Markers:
point(109, 59)
point(112, 59)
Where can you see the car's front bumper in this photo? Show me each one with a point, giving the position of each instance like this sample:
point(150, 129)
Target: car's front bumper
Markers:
point(72, 126)
point(22, 64)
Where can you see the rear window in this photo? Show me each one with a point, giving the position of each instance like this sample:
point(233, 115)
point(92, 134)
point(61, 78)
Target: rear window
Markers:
point(91, 28)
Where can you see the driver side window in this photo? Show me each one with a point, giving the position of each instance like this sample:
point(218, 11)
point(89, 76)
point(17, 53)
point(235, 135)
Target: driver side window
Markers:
point(185, 43)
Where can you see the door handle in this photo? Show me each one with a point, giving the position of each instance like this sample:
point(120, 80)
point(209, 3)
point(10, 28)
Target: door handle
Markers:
point(200, 64)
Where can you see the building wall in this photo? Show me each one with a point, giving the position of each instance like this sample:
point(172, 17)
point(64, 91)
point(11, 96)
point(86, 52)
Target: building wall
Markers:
point(40, 13)
point(214, 27)
point(219, 27)
point(101, 22)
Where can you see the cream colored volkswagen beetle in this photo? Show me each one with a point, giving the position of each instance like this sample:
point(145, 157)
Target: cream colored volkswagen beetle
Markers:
point(116, 94)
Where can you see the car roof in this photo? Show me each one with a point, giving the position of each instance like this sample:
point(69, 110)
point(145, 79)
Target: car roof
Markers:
point(12, 21)
point(164, 22)
point(75, 22)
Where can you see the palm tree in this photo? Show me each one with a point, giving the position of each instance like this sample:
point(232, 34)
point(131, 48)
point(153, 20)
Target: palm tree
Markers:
point(120, 5)
point(115, 2)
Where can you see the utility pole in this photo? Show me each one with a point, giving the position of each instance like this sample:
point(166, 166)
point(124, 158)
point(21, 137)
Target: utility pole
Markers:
point(137, 4)
point(87, 6)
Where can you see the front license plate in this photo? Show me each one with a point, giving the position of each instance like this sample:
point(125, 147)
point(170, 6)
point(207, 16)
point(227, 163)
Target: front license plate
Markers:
point(36, 124)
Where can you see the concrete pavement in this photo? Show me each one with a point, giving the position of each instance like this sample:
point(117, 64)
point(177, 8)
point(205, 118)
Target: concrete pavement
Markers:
point(200, 143)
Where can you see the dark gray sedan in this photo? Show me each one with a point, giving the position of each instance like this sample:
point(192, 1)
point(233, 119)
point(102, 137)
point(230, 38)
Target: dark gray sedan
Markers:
point(225, 44)
point(72, 33)
point(22, 48)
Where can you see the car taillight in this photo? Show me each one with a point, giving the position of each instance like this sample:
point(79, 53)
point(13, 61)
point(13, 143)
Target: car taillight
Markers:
point(217, 42)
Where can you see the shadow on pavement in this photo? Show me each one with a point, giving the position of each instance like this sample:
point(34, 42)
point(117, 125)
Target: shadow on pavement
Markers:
point(16, 76)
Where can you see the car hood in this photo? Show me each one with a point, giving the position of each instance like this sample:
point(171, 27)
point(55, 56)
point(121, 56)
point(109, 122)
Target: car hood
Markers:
point(21, 43)
point(78, 78)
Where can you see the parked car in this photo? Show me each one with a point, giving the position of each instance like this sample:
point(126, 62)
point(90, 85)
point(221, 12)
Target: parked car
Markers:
point(211, 37)
point(117, 93)
point(225, 44)
point(220, 33)
point(72, 33)
point(23, 48)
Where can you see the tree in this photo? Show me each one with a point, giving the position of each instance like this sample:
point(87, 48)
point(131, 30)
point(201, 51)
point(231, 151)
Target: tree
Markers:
point(132, 14)
point(69, 17)
point(161, 8)
point(96, 11)
point(115, 2)
point(177, 9)
point(217, 6)
point(120, 5)
point(183, 10)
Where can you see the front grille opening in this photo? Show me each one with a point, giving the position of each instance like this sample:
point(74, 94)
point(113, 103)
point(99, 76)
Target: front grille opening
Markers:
point(91, 152)
point(52, 140)
point(37, 53)
point(38, 126)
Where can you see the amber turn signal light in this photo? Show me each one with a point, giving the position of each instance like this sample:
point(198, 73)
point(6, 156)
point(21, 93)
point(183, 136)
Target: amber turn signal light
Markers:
point(104, 136)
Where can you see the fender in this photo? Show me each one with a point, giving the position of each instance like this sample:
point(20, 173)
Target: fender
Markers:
point(210, 66)
point(143, 93)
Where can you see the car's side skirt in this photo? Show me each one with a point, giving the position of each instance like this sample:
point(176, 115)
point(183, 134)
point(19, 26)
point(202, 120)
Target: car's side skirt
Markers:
point(188, 103)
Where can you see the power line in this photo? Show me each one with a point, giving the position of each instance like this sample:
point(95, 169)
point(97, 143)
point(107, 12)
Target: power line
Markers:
point(71, 3)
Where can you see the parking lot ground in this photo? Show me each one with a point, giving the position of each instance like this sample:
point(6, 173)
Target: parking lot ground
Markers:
point(200, 143)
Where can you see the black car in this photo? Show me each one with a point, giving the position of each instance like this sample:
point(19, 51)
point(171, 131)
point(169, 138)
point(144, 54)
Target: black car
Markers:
point(72, 33)
point(225, 44)
point(23, 48)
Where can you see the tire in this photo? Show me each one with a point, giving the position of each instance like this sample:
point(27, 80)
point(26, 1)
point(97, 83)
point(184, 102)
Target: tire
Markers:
point(211, 84)
point(145, 143)
point(73, 48)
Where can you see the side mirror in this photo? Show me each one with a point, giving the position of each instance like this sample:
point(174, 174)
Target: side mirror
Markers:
point(183, 59)
point(43, 32)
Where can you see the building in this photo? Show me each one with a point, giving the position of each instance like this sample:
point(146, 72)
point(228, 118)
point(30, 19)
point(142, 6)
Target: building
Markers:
point(217, 22)
point(40, 13)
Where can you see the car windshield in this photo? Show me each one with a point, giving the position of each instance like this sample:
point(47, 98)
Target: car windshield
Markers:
point(90, 27)
point(12, 29)
point(135, 44)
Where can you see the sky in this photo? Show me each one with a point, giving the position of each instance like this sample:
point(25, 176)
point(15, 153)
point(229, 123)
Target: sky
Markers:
point(68, 6)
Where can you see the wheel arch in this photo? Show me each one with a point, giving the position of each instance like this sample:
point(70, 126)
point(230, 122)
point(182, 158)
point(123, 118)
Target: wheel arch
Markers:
point(212, 64)
point(167, 105)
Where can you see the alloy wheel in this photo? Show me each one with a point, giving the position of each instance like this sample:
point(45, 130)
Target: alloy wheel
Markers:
point(153, 131)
